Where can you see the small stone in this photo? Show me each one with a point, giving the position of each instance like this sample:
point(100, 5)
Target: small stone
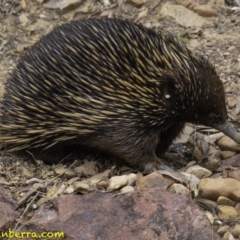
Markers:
point(234, 87)
point(23, 4)
point(214, 188)
point(136, 2)
point(83, 187)
point(181, 15)
point(237, 207)
point(23, 19)
point(227, 236)
point(231, 102)
point(179, 189)
point(210, 217)
point(236, 230)
point(118, 182)
point(20, 48)
point(222, 230)
point(226, 54)
point(199, 171)
point(154, 179)
point(226, 143)
point(227, 154)
point(226, 212)
point(231, 48)
point(127, 189)
point(233, 161)
point(235, 174)
point(205, 10)
point(225, 201)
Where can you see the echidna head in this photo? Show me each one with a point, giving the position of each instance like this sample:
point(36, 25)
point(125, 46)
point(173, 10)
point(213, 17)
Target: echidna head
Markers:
point(195, 96)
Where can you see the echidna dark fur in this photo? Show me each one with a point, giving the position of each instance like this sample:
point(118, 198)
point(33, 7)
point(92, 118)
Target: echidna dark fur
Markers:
point(112, 85)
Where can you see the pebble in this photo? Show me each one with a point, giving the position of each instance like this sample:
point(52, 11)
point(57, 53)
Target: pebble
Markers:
point(234, 87)
point(227, 236)
point(222, 230)
point(235, 174)
point(118, 182)
point(127, 189)
point(226, 212)
point(179, 189)
point(227, 154)
point(214, 188)
point(23, 19)
point(231, 48)
point(231, 102)
point(199, 171)
point(236, 230)
point(227, 144)
point(237, 207)
point(210, 217)
point(225, 201)
point(154, 179)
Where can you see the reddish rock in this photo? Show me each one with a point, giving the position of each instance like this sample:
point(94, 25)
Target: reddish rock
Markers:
point(146, 214)
point(7, 209)
point(233, 161)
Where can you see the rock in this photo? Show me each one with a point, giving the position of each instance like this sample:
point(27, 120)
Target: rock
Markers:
point(127, 189)
point(205, 11)
point(236, 230)
point(226, 143)
point(210, 217)
point(231, 101)
point(7, 209)
point(23, 4)
point(225, 201)
point(214, 188)
point(233, 161)
point(227, 154)
point(63, 6)
point(149, 214)
point(231, 48)
point(179, 189)
point(212, 164)
point(235, 174)
point(222, 230)
point(20, 48)
point(181, 15)
point(118, 182)
point(23, 19)
point(208, 203)
point(237, 207)
point(234, 87)
point(154, 179)
point(136, 2)
point(226, 212)
point(227, 236)
point(199, 171)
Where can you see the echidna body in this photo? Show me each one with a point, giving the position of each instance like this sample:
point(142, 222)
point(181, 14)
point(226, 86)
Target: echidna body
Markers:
point(112, 85)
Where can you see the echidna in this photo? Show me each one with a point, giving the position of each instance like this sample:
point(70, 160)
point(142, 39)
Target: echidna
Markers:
point(112, 85)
